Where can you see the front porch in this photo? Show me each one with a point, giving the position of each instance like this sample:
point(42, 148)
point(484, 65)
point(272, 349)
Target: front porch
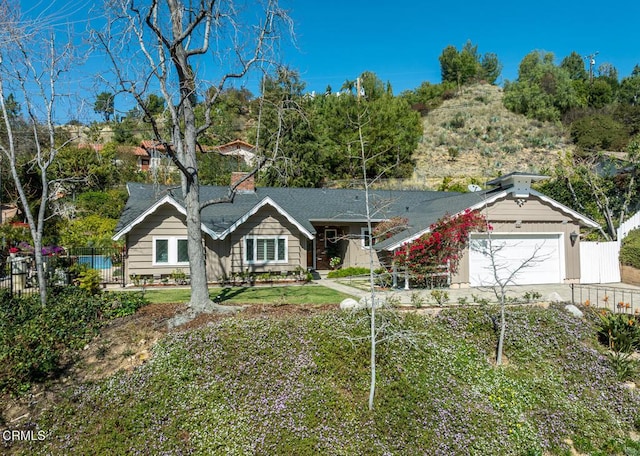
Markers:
point(349, 243)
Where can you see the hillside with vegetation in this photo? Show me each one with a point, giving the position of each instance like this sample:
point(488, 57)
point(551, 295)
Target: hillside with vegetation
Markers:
point(298, 384)
point(472, 137)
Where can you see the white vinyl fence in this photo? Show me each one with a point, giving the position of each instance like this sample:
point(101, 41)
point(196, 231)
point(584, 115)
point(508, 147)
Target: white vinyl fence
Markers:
point(632, 223)
point(599, 262)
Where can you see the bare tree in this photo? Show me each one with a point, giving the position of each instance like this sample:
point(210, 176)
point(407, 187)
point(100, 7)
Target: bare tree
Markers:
point(182, 48)
point(504, 273)
point(612, 207)
point(32, 63)
point(372, 329)
point(384, 329)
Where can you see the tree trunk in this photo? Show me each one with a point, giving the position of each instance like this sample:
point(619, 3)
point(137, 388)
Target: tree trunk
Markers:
point(37, 238)
point(36, 226)
point(502, 331)
point(197, 264)
point(178, 40)
point(199, 301)
point(185, 142)
point(369, 242)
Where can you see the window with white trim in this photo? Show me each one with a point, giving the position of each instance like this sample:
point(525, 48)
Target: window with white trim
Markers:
point(366, 238)
point(170, 251)
point(265, 249)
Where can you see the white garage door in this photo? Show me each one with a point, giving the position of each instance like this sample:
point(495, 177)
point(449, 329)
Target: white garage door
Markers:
point(520, 259)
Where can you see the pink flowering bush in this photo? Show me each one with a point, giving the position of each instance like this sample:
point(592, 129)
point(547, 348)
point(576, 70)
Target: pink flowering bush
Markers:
point(441, 247)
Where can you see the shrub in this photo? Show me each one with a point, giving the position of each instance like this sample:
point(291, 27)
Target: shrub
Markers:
point(417, 300)
point(630, 249)
point(598, 132)
point(89, 280)
point(624, 365)
point(179, 276)
point(619, 332)
point(119, 304)
point(33, 338)
point(38, 342)
point(93, 230)
point(348, 272)
point(531, 296)
point(383, 278)
point(334, 262)
point(441, 297)
point(458, 121)
point(442, 245)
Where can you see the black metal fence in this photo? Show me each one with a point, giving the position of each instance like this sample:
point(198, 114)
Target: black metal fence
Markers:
point(18, 270)
point(614, 298)
point(108, 261)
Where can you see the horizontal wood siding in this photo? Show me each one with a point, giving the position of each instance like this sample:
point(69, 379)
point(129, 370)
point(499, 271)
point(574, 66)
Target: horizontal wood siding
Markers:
point(223, 257)
point(165, 221)
point(530, 209)
point(268, 222)
point(356, 254)
point(218, 257)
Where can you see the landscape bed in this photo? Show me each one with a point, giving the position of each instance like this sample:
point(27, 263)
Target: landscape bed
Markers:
point(299, 385)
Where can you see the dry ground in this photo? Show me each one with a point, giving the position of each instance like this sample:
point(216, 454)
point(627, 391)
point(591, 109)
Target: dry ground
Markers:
point(486, 138)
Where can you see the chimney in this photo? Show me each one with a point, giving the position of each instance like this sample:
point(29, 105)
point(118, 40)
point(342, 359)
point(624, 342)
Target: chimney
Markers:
point(248, 186)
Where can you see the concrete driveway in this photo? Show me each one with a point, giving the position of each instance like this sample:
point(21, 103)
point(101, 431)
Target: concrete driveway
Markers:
point(547, 292)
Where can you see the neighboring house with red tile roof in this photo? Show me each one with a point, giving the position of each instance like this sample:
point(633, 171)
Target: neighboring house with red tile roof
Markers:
point(152, 155)
point(97, 147)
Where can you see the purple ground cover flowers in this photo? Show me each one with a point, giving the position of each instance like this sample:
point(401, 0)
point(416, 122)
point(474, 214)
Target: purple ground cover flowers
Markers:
point(299, 386)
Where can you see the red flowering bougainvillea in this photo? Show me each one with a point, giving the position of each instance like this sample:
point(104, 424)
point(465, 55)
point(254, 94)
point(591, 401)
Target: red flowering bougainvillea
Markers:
point(441, 248)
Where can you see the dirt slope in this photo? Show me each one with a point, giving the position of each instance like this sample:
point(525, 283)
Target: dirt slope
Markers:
point(474, 136)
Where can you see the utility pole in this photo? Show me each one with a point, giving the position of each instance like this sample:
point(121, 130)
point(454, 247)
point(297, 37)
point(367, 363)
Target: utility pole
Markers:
point(592, 63)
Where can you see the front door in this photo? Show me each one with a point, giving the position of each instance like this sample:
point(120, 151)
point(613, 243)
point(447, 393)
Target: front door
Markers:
point(326, 246)
point(311, 250)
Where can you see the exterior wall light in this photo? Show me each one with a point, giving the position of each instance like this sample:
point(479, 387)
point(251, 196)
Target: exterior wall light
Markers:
point(573, 237)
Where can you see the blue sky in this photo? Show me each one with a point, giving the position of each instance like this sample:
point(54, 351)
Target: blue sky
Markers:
point(401, 40)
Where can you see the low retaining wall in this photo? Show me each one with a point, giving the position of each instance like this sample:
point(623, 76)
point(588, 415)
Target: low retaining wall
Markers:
point(630, 275)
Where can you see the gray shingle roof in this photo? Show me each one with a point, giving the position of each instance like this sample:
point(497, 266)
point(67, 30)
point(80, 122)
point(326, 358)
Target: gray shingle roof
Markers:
point(307, 205)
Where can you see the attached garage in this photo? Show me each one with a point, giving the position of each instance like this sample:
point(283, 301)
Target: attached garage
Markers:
point(526, 227)
point(523, 258)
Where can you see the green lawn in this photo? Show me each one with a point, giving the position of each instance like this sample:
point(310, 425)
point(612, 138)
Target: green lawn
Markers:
point(303, 294)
